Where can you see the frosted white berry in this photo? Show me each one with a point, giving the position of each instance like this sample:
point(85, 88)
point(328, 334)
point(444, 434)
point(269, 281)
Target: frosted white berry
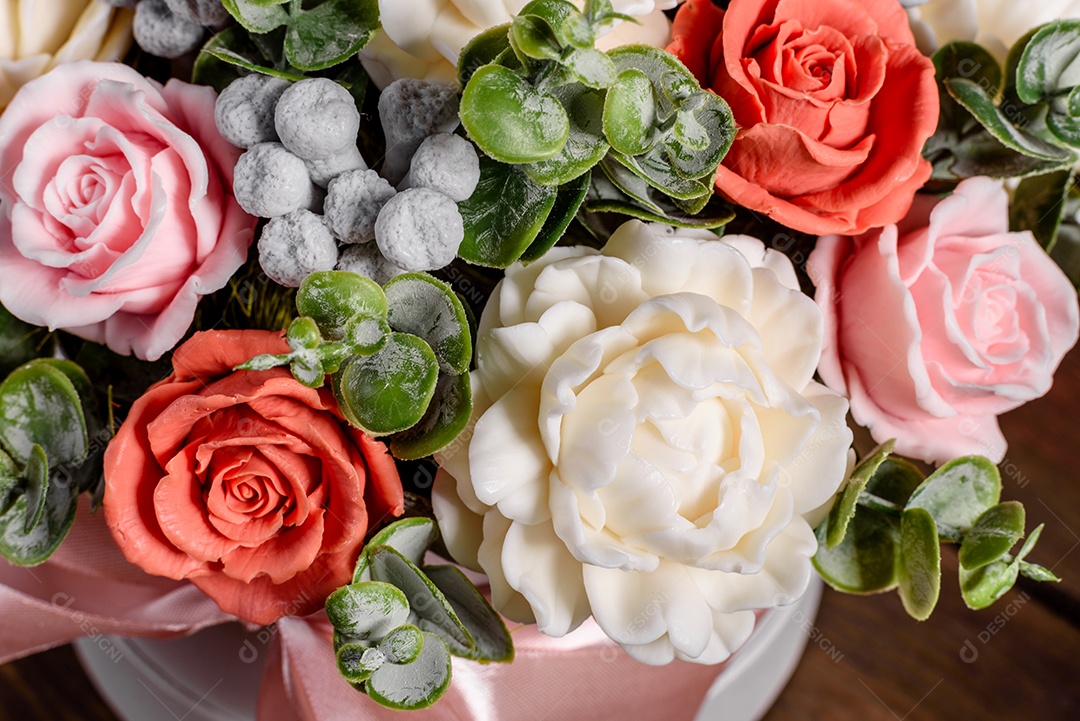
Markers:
point(367, 260)
point(411, 110)
point(419, 229)
point(353, 202)
point(270, 181)
point(294, 246)
point(160, 32)
point(317, 118)
point(446, 163)
point(244, 112)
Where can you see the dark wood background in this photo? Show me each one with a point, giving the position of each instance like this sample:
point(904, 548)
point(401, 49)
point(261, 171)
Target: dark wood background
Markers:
point(867, 661)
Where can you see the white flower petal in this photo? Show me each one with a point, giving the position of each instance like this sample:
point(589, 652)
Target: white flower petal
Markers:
point(462, 530)
point(537, 565)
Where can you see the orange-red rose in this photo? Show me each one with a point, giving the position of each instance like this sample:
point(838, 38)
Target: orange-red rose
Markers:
point(833, 103)
point(246, 483)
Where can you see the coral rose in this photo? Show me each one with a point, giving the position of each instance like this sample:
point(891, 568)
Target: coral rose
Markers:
point(117, 208)
point(935, 328)
point(833, 102)
point(650, 447)
point(246, 483)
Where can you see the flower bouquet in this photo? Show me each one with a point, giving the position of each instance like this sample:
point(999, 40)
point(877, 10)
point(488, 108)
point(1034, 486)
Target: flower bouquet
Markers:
point(422, 336)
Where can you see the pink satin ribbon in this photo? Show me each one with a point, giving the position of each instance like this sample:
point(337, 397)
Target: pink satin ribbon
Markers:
point(89, 589)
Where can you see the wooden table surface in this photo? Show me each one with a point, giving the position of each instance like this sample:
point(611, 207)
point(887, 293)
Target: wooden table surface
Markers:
point(867, 661)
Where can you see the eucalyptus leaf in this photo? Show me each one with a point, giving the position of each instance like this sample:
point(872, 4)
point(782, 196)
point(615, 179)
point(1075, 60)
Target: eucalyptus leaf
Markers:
point(992, 535)
point(357, 661)
point(330, 33)
point(481, 50)
point(585, 144)
point(570, 197)
point(37, 486)
point(844, 509)
point(504, 215)
point(333, 298)
point(416, 685)
point(1038, 205)
point(389, 391)
point(39, 405)
point(865, 561)
point(411, 537)
point(231, 46)
point(367, 610)
point(447, 416)
point(1029, 544)
point(1050, 62)
point(1037, 573)
point(958, 492)
point(986, 584)
point(485, 625)
point(429, 309)
point(919, 573)
point(425, 599)
point(630, 113)
point(509, 119)
point(533, 37)
point(257, 17)
point(364, 335)
point(34, 546)
point(403, 645)
point(591, 67)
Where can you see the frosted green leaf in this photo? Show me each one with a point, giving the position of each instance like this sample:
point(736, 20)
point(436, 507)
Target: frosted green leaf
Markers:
point(411, 537)
point(919, 569)
point(19, 341)
point(368, 610)
point(585, 145)
point(447, 416)
point(37, 486)
point(415, 685)
point(366, 334)
point(844, 509)
point(356, 662)
point(992, 535)
point(567, 203)
point(630, 113)
point(986, 584)
point(866, 560)
point(994, 119)
point(330, 33)
point(428, 308)
point(229, 46)
point(334, 297)
point(481, 50)
point(958, 492)
point(258, 17)
point(509, 119)
point(29, 534)
point(389, 391)
point(655, 168)
point(303, 334)
point(39, 405)
point(591, 67)
point(403, 644)
point(533, 37)
point(493, 642)
point(1050, 63)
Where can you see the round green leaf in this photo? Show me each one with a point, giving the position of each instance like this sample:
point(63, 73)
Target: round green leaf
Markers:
point(329, 33)
point(481, 50)
point(630, 113)
point(37, 485)
point(509, 119)
point(1050, 63)
point(30, 534)
point(368, 610)
point(415, 685)
point(866, 560)
point(303, 334)
point(895, 480)
point(844, 509)
point(389, 391)
point(411, 537)
point(919, 574)
point(534, 38)
point(585, 145)
point(447, 417)
point(484, 624)
point(366, 334)
point(992, 535)
point(428, 308)
point(591, 67)
point(39, 405)
point(334, 297)
point(986, 584)
point(403, 644)
point(258, 17)
point(958, 492)
point(962, 59)
point(356, 662)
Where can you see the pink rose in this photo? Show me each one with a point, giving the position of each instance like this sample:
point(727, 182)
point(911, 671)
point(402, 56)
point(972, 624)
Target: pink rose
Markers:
point(936, 328)
point(117, 208)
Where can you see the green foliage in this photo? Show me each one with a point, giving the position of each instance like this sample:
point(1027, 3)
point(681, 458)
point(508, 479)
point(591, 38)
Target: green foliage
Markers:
point(399, 355)
point(885, 531)
point(397, 624)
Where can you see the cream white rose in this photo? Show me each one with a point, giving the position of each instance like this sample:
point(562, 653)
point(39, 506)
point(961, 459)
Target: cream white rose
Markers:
point(423, 38)
point(38, 35)
point(648, 446)
point(994, 24)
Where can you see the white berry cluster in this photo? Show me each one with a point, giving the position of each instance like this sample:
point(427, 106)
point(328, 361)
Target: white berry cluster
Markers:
point(171, 28)
point(327, 209)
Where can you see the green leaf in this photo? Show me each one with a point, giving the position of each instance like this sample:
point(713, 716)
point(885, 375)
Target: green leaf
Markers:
point(654, 168)
point(1037, 573)
point(429, 309)
point(986, 584)
point(919, 573)
point(976, 101)
point(411, 537)
point(356, 661)
point(330, 33)
point(992, 535)
point(509, 119)
point(39, 405)
point(481, 50)
point(591, 67)
point(533, 37)
point(971, 61)
point(334, 297)
point(24, 545)
point(1038, 205)
point(957, 493)
point(389, 391)
point(630, 113)
point(1029, 544)
point(504, 215)
point(19, 342)
point(1050, 62)
point(256, 16)
point(425, 599)
point(364, 335)
point(493, 641)
point(417, 685)
point(447, 416)
point(1066, 126)
point(844, 509)
point(567, 203)
point(866, 560)
point(367, 610)
point(702, 221)
point(37, 486)
point(701, 138)
point(585, 145)
point(232, 47)
point(671, 80)
point(403, 645)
